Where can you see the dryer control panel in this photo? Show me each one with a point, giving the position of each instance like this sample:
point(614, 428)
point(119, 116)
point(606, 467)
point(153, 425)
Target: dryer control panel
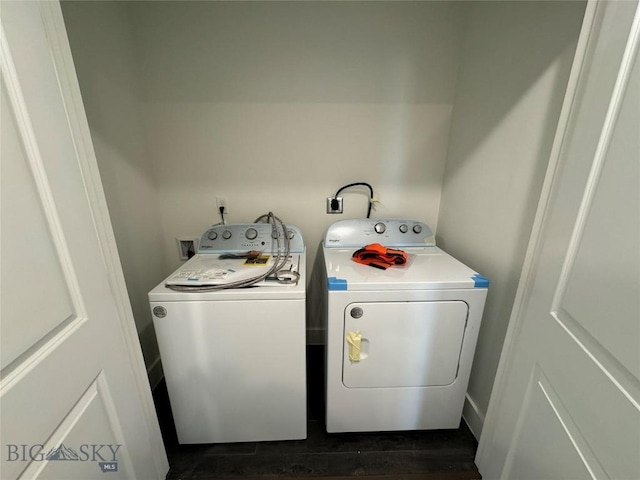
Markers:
point(240, 237)
point(391, 232)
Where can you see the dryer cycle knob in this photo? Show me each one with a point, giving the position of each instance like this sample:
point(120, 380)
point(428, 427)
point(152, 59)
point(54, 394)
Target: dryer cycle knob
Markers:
point(404, 228)
point(226, 234)
point(417, 228)
point(379, 227)
point(251, 233)
point(212, 235)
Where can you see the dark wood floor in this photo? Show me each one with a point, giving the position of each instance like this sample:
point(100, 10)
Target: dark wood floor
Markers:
point(429, 455)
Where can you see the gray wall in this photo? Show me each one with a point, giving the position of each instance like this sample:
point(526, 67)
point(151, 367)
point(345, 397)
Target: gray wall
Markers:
point(101, 42)
point(275, 105)
point(515, 64)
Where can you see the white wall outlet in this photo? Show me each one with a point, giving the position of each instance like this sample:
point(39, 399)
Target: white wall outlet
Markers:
point(222, 202)
point(187, 247)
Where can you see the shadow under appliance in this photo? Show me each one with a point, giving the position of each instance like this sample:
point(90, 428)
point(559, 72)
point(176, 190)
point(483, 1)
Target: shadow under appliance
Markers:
point(415, 328)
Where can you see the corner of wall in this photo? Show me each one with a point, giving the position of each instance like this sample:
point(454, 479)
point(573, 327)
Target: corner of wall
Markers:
point(510, 86)
point(473, 416)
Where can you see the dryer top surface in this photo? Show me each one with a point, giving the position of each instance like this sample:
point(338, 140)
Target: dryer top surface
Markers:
point(427, 268)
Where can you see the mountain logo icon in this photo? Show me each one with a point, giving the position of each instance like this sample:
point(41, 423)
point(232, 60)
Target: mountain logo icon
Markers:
point(62, 453)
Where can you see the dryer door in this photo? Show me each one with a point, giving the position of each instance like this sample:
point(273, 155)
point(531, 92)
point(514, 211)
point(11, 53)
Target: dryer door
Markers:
point(403, 344)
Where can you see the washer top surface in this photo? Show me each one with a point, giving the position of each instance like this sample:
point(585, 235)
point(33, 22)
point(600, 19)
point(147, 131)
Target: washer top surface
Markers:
point(220, 261)
point(427, 267)
point(265, 290)
point(208, 269)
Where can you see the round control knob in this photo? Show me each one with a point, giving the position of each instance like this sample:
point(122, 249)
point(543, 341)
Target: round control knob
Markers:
point(226, 234)
point(212, 235)
point(404, 228)
point(417, 228)
point(251, 233)
point(379, 227)
point(291, 234)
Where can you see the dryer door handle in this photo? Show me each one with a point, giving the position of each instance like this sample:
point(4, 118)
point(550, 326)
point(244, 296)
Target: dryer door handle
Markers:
point(358, 346)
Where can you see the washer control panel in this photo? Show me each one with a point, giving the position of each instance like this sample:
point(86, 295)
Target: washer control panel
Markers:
point(240, 237)
point(390, 232)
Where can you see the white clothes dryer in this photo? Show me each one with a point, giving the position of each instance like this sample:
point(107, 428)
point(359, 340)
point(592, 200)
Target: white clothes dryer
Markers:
point(234, 359)
point(400, 341)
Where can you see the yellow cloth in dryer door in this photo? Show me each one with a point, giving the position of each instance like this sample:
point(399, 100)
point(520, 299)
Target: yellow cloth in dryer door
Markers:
point(354, 340)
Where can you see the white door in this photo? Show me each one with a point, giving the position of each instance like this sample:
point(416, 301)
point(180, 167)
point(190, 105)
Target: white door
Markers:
point(566, 403)
point(75, 401)
point(404, 344)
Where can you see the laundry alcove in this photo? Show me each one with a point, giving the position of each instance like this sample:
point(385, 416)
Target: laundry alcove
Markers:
point(447, 108)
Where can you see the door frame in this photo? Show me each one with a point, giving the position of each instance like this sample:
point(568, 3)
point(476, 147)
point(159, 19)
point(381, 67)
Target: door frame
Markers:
point(62, 59)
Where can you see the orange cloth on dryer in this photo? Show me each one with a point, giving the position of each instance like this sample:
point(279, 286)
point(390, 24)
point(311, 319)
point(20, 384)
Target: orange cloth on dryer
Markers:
point(379, 256)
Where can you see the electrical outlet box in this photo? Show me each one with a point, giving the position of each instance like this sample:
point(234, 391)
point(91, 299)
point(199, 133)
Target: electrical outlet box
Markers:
point(187, 247)
point(334, 204)
point(222, 202)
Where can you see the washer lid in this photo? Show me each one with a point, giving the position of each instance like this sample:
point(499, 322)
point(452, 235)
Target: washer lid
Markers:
point(428, 268)
point(266, 290)
point(210, 270)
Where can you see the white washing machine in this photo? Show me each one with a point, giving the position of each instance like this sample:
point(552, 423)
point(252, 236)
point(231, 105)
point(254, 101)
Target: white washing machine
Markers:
point(234, 359)
point(400, 341)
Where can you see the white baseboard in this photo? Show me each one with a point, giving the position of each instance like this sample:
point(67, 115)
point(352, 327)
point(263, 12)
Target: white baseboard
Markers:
point(473, 416)
point(155, 373)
